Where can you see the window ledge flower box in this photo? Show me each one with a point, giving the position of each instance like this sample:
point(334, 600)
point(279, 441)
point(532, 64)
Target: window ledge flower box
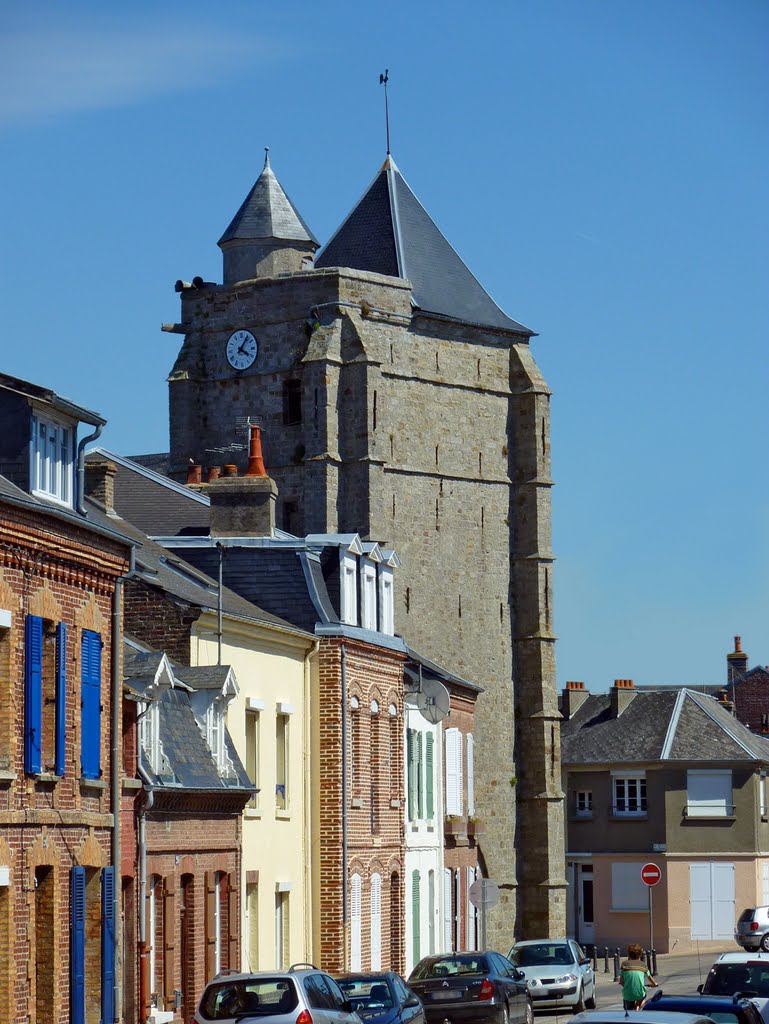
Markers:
point(455, 825)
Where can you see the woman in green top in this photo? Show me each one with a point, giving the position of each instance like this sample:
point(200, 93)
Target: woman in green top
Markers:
point(633, 973)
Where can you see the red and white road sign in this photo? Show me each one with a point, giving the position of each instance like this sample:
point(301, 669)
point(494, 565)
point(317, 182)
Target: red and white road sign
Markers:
point(650, 874)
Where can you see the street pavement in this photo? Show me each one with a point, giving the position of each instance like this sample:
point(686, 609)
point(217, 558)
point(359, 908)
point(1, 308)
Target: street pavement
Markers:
point(677, 974)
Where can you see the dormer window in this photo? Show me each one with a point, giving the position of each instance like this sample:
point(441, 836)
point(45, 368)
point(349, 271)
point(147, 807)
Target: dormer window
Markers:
point(149, 735)
point(52, 448)
point(386, 601)
point(368, 595)
point(215, 732)
point(348, 589)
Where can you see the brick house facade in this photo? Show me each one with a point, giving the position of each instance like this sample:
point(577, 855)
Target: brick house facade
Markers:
point(360, 700)
point(59, 573)
point(748, 689)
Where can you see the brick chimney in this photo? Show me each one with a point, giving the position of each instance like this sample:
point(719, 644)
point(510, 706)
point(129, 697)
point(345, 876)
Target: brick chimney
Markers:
point(621, 694)
point(100, 482)
point(243, 506)
point(736, 662)
point(572, 699)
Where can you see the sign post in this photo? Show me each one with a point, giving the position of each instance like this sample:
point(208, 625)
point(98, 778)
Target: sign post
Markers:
point(483, 893)
point(650, 876)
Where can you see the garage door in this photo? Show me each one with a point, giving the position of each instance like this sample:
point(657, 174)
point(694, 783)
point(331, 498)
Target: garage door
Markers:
point(711, 888)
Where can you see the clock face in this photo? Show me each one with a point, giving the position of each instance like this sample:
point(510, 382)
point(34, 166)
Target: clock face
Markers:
point(241, 350)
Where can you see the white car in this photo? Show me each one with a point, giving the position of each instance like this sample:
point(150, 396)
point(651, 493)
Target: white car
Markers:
point(746, 973)
point(557, 972)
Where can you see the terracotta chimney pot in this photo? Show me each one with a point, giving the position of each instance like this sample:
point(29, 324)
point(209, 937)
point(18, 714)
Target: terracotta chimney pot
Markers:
point(229, 470)
point(194, 473)
point(214, 472)
point(255, 461)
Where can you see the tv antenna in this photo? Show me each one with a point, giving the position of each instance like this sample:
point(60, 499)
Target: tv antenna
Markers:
point(383, 80)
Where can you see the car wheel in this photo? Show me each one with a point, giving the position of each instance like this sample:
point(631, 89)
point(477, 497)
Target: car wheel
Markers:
point(579, 1006)
point(590, 1003)
point(765, 942)
point(529, 1015)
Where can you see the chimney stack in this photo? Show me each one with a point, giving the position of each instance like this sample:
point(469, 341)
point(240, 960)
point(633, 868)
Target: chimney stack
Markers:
point(243, 506)
point(100, 482)
point(736, 662)
point(572, 699)
point(621, 694)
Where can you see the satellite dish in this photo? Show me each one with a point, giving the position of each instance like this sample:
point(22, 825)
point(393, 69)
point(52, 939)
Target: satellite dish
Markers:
point(433, 701)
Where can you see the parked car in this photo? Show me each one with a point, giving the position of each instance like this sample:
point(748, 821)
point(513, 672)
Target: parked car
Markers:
point(469, 987)
point(722, 1009)
point(556, 972)
point(621, 1016)
point(381, 998)
point(752, 931)
point(300, 995)
point(743, 973)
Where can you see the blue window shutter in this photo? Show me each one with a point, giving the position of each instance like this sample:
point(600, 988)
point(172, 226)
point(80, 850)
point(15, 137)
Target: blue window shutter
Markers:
point(33, 695)
point(90, 724)
point(107, 945)
point(77, 946)
point(61, 697)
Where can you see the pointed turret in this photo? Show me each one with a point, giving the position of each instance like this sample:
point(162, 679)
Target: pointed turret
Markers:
point(390, 232)
point(267, 235)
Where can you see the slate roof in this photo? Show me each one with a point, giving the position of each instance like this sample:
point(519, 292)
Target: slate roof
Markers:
point(658, 726)
point(390, 232)
point(267, 212)
point(153, 502)
point(59, 402)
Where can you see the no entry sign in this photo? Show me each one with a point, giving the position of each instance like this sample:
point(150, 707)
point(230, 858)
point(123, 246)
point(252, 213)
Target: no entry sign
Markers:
point(650, 874)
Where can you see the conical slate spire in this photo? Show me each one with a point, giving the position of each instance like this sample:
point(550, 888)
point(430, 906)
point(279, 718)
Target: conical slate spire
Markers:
point(267, 212)
point(390, 232)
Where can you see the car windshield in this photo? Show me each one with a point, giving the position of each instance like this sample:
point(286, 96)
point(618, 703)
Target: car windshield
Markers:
point(542, 954)
point(369, 996)
point(254, 997)
point(726, 979)
point(449, 965)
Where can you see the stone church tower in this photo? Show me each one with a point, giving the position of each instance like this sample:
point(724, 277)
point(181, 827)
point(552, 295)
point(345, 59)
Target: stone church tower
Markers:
point(399, 401)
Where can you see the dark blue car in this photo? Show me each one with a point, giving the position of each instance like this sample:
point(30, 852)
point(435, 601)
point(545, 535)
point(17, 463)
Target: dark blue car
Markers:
point(381, 997)
point(722, 1009)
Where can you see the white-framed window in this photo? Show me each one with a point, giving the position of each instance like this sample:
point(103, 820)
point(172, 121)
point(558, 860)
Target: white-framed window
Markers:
point(282, 930)
point(154, 912)
point(281, 761)
point(471, 941)
point(356, 950)
point(348, 589)
point(470, 774)
point(52, 450)
point(430, 912)
point(149, 734)
point(628, 891)
point(386, 601)
point(454, 801)
point(762, 795)
point(708, 793)
point(252, 925)
point(376, 922)
point(628, 794)
point(368, 595)
point(253, 725)
point(215, 732)
point(583, 803)
point(448, 921)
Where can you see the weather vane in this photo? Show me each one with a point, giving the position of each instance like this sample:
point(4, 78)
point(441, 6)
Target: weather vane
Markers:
point(383, 80)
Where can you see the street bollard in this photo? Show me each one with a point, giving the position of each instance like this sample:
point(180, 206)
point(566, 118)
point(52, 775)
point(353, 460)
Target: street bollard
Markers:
point(595, 958)
point(616, 965)
point(654, 962)
point(648, 960)
point(605, 959)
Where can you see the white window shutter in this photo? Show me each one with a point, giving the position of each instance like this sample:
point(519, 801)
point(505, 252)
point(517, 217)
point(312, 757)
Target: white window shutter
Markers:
point(376, 922)
point(447, 929)
point(471, 935)
point(470, 774)
point(355, 923)
point(453, 771)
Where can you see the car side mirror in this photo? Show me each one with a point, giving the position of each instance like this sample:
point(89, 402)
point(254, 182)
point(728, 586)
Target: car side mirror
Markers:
point(584, 960)
point(699, 989)
point(519, 975)
point(412, 1001)
point(347, 1006)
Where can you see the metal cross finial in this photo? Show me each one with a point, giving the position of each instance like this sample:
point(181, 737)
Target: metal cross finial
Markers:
point(383, 80)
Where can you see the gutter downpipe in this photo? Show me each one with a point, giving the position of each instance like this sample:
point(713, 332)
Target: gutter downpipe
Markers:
point(116, 778)
point(147, 804)
point(345, 915)
point(81, 466)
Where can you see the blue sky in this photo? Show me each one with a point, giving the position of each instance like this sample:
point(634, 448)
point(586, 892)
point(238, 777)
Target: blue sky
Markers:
point(601, 167)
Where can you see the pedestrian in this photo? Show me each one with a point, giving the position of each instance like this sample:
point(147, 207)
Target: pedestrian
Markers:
point(633, 974)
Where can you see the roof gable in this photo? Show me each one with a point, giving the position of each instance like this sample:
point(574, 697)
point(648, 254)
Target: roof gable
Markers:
point(390, 232)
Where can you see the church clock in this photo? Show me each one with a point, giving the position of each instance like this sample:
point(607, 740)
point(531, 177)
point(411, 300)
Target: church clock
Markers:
point(241, 350)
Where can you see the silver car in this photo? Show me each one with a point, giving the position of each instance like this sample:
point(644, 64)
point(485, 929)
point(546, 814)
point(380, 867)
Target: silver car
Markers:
point(752, 931)
point(557, 973)
point(300, 995)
